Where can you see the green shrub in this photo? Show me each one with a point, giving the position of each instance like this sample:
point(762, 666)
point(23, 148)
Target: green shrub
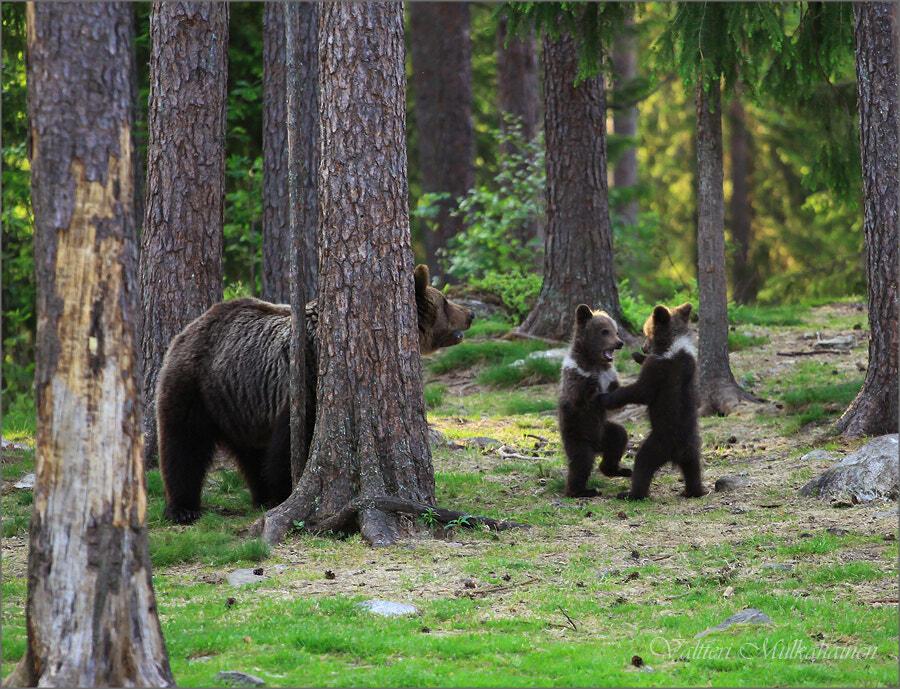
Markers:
point(517, 290)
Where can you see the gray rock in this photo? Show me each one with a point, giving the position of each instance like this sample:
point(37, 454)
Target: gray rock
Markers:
point(233, 678)
point(870, 473)
point(838, 342)
point(436, 438)
point(778, 566)
point(481, 309)
point(482, 442)
point(557, 354)
point(819, 456)
point(387, 608)
point(11, 445)
point(26, 482)
point(244, 577)
point(746, 616)
point(731, 483)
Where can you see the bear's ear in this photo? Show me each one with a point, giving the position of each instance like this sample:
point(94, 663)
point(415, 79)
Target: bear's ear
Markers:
point(661, 315)
point(422, 279)
point(684, 311)
point(583, 314)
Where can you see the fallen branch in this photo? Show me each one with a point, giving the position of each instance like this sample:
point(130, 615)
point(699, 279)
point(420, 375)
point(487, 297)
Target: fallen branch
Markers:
point(571, 621)
point(504, 453)
point(813, 352)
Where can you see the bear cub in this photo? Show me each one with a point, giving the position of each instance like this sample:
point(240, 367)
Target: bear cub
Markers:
point(667, 385)
point(586, 372)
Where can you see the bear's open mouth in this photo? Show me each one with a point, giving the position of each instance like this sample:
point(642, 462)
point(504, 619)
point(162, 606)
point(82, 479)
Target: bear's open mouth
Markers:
point(608, 354)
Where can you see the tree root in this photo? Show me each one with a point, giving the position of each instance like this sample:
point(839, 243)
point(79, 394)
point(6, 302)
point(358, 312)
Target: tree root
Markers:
point(519, 334)
point(722, 397)
point(376, 518)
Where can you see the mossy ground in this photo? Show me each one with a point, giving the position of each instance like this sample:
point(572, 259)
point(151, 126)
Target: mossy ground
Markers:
point(591, 584)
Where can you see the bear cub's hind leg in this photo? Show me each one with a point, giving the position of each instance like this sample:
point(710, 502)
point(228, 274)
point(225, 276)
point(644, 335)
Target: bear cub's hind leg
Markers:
point(613, 444)
point(581, 461)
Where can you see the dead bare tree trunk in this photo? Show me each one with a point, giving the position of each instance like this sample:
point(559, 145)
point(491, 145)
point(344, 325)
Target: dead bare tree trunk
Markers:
point(874, 411)
point(719, 392)
point(181, 245)
point(302, 120)
point(578, 256)
point(744, 276)
point(277, 247)
point(442, 75)
point(91, 612)
point(369, 461)
point(624, 63)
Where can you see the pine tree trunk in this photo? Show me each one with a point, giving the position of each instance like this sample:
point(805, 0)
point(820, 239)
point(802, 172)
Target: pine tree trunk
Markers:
point(744, 276)
point(302, 125)
point(719, 393)
point(370, 435)
point(181, 245)
point(91, 613)
point(277, 248)
point(442, 78)
point(624, 64)
point(518, 90)
point(578, 251)
point(874, 411)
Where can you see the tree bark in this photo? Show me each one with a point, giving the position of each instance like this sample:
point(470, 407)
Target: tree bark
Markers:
point(744, 276)
point(719, 392)
point(277, 247)
point(91, 613)
point(370, 436)
point(578, 251)
point(624, 64)
point(518, 90)
point(442, 79)
point(302, 124)
point(874, 411)
point(181, 245)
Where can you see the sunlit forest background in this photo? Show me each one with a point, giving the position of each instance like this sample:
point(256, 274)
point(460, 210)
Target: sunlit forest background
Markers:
point(804, 179)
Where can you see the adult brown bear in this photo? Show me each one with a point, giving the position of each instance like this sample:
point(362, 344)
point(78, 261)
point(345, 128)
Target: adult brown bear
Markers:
point(224, 383)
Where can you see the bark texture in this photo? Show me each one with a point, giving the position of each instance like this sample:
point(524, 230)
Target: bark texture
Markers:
point(91, 614)
point(624, 64)
point(277, 247)
point(302, 125)
point(518, 90)
point(370, 437)
point(719, 392)
point(578, 251)
point(181, 245)
point(744, 276)
point(442, 79)
point(874, 411)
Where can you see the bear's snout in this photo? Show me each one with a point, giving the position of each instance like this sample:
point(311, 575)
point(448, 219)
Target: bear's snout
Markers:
point(619, 344)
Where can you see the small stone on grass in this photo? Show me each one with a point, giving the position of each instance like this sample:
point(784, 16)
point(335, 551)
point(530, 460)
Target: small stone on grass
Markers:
point(387, 608)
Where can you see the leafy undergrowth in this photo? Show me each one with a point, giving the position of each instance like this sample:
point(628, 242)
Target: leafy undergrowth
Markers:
point(570, 601)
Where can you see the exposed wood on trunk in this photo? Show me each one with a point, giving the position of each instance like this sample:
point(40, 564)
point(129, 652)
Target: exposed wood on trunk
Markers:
point(181, 245)
point(442, 80)
point(624, 64)
point(744, 275)
point(277, 247)
point(90, 614)
point(719, 392)
point(874, 411)
point(578, 256)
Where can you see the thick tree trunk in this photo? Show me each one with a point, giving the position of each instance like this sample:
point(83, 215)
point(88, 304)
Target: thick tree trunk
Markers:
point(624, 64)
point(744, 276)
point(181, 245)
point(442, 77)
point(719, 393)
point(302, 125)
point(370, 435)
point(874, 411)
point(277, 248)
point(91, 613)
point(578, 251)
point(518, 90)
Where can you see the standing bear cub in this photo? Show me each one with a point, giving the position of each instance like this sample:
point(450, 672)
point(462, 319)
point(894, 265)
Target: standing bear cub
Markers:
point(224, 383)
point(667, 385)
point(586, 372)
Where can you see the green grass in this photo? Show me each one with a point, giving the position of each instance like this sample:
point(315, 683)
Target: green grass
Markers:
point(738, 341)
point(19, 419)
point(470, 353)
point(434, 395)
point(497, 404)
point(488, 327)
point(782, 315)
point(529, 372)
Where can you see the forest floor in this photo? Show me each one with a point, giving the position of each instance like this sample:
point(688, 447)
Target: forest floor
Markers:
point(596, 592)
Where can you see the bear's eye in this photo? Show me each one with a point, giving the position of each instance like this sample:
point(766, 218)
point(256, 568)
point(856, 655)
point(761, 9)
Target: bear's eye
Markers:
point(605, 331)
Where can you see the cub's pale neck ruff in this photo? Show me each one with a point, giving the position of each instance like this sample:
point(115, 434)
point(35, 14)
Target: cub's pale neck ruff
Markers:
point(603, 377)
point(681, 344)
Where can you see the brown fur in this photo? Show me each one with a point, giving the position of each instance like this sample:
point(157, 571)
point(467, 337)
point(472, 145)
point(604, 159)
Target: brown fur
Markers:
point(667, 385)
point(583, 426)
point(224, 383)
